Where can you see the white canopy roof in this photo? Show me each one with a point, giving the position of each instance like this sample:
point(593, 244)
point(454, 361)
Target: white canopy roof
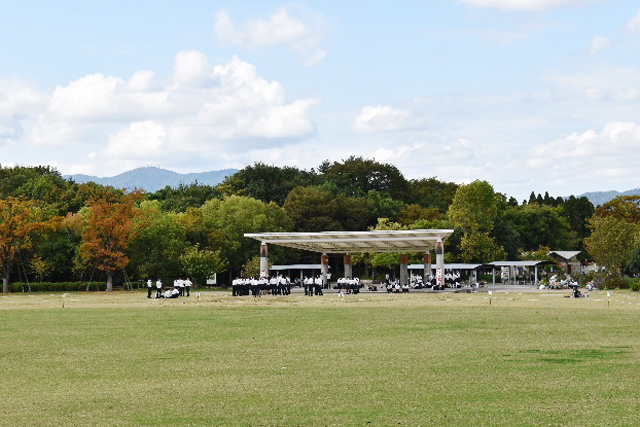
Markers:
point(518, 263)
point(451, 266)
point(296, 267)
point(344, 242)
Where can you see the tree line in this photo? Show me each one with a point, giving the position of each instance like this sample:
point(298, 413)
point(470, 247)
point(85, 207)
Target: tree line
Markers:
point(55, 229)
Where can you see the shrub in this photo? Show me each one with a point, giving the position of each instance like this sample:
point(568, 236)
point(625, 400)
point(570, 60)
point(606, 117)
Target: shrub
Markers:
point(56, 287)
point(634, 284)
point(614, 281)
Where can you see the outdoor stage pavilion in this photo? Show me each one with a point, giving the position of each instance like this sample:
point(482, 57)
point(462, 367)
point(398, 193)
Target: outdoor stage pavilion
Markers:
point(346, 243)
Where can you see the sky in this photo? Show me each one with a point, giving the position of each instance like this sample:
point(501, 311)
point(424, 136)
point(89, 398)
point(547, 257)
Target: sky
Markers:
point(529, 95)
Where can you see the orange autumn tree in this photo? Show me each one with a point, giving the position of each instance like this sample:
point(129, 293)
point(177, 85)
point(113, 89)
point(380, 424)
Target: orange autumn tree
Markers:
point(20, 220)
point(109, 227)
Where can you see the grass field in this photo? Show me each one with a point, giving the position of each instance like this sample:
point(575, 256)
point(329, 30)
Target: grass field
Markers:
point(119, 359)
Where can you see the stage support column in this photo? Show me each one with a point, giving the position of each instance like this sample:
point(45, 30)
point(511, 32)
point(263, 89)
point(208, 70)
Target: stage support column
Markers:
point(404, 271)
point(440, 263)
point(324, 269)
point(348, 267)
point(426, 276)
point(264, 260)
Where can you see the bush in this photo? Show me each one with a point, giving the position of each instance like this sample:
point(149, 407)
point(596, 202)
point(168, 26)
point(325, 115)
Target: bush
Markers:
point(634, 284)
point(614, 281)
point(56, 287)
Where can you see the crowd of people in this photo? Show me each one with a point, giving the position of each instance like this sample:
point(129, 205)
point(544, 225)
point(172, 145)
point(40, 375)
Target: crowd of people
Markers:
point(180, 288)
point(281, 285)
point(313, 285)
point(276, 285)
point(351, 285)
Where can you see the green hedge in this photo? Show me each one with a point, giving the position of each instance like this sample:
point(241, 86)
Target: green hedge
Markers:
point(80, 287)
point(634, 284)
point(56, 287)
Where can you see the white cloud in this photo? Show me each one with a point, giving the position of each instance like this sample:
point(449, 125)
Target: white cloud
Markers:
point(226, 30)
point(279, 29)
point(599, 43)
point(612, 83)
point(590, 156)
point(17, 98)
point(531, 5)
point(381, 118)
point(200, 108)
point(634, 23)
point(191, 67)
point(401, 152)
point(317, 57)
point(141, 140)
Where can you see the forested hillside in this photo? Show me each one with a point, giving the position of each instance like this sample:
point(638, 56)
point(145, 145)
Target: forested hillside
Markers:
point(54, 229)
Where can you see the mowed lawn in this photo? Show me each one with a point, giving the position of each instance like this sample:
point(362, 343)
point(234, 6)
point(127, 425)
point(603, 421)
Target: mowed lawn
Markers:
point(365, 360)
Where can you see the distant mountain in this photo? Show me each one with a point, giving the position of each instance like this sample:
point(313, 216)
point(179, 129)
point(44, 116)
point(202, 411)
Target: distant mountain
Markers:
point(153, 179)
point(602, 197)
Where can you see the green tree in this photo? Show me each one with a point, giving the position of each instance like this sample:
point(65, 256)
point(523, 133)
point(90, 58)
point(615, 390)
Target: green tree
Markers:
point(233, 216)
point(613, 242)
point(157, 244)
point(40, 183)
point(412, 213)
point(384, 206)
point(432, 193)
point(267, 183)
point(353, 213)
point(312, 209)
point(577, 210)
point(40, 267)
point(473, 210)
point(202, 264)
point(540, 225)
point(196, 231)
point(179, 199)
point(356, 176)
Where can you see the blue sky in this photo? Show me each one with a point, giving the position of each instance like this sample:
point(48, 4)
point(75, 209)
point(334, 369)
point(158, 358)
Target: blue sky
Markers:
point(530, 95)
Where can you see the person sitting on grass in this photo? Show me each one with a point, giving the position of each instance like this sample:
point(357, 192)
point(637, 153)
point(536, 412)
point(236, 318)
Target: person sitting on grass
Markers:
point(175, 293)
point(167, 293)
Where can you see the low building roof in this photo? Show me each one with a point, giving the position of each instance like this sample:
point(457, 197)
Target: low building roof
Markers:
point(344, 242)
point(567, 255)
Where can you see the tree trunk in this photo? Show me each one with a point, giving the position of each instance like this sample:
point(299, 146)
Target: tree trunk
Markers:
point(5, 277)
point(109, 280)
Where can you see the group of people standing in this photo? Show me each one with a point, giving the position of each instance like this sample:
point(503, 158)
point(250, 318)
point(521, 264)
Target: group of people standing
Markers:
point(276, 285)
point(313, 284)
point(180, 288)
point(350, 284)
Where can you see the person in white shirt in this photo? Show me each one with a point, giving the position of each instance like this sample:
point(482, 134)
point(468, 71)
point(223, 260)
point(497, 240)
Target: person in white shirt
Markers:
point(149, 287)
point(187, 285)
point(167, 293)
point(318, 283)
point(158, 288)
